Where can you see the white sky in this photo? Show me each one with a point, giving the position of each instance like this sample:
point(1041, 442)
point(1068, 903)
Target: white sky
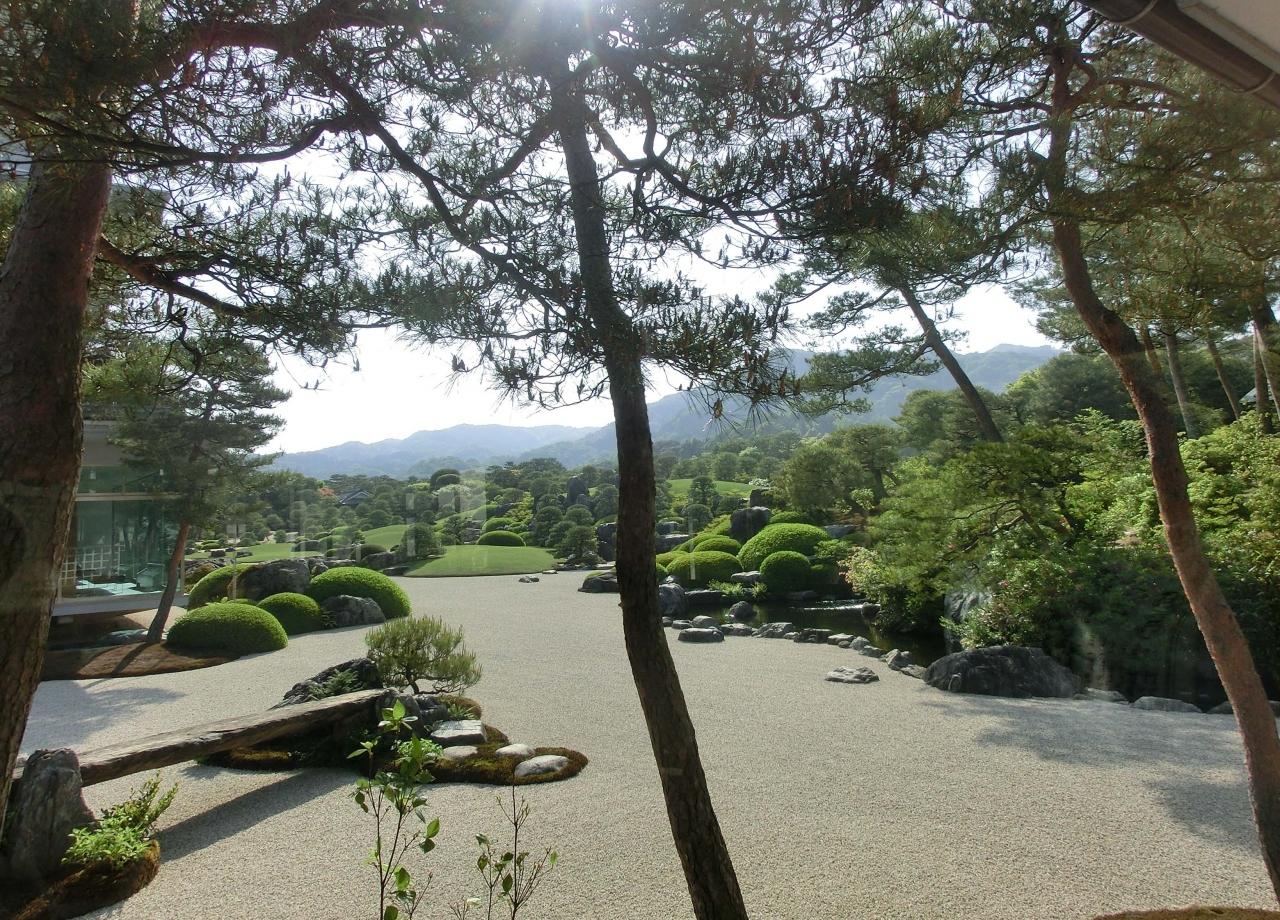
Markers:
point(400, 389)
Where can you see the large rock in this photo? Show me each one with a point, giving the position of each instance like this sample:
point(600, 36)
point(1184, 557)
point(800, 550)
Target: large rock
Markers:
point(897, 659)
point(737, 629)
point(836, 531)
point(1001, 670)
point(606, 533)
point(669, 541)
point(348, 610)
point(704, 622)
point(760, 497)
point(704, 597)
point(601, 583)
point(458, 753)
point(364, 675)
point(701, 634)
point(812, 634)
point(515, 750)
point(1163, 704)
point(852, 676)
point(774, 630)
point(745, 523)
point(378, 561)
point(45, 807)
point(275, 577)
point(1225, 709)
point(742, 610)
point(671, 600)
point(459, 731)
point(750, 579)
point(541, 765)
point(668, 527)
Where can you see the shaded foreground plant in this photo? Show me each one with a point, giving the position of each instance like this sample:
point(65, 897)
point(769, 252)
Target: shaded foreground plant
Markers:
point(510, 878)
point(123, 833)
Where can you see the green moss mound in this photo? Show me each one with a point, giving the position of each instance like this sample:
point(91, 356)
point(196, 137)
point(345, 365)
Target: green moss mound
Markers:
point(498, 523)
point(786, 571)
point(488, 768)
point(297, 613)
point(662, 572)
point(665, 559)
point(797, 538)
point(714, 543)
point(791, 517)
point(698, 569)
point(389, 596)
point(500, 538)
point(215, 586)
point(366, 549)
point(240, 629)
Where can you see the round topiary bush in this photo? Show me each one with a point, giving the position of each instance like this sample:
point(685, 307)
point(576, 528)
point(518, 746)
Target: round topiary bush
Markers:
point(297, 613)
point(786, 571)
point(361, 550)
point(215, 586)
point(357, 582)
point(714, 543)
point(498, 523)
point(665, 559)
point(240, 629)
point(697, 569)
point(798, 538)
point(500, 538)
point(790, 517)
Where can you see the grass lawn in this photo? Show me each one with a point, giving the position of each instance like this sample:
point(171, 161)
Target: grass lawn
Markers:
point(680, 488)
point(263, 552)
point(485, 560)
point(387, 536)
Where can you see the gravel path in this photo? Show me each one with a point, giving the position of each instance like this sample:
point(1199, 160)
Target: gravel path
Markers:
point(876, 801)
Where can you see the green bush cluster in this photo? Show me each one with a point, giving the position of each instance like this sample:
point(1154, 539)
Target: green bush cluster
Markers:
point(498, 523)
point(500, 538)
point(791, 517)
point(697, 569)
point(215, 586)
point(361, 550)
point(358, 582)
point(665, 559)
point(786, 571)
point(715, 543)
point(797, 538)
point(419, 542)
point(236, 628)
point(297, 613)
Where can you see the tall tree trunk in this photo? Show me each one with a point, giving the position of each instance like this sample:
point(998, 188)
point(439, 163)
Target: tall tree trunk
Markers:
point(708, 870)
point(1260, 402)
point(1149, 346)
point(986, 424)
point(1180, 385)
point(1267, 331)
point(1216, 357)
point(44, 288)
point(173, 575)
point(1216, 619)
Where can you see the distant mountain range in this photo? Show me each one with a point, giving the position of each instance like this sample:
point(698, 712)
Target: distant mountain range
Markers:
point(677, 417)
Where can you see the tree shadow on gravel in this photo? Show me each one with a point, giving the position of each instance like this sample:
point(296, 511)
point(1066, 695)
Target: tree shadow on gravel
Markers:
point(67, 713)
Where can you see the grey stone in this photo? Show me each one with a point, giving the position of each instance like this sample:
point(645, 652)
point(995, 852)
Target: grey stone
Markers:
point(913, 670)
point(680, 624)
point(897, 659)
point(364, 670)
point(668, 542)
point(1002, 670)
point(274, 577)
point(601, 583)
point(812, 634)
point(1224, 708)
point(737, 629)
point(745, 523)
point(704, 622)
point(871, 651)
point(858, 643)
point(760, 497)
point(667, 621)
point(528, 579)
point(1163, 704)
point(853, 676)
point(44, 808)
point(607, 533)
point(838, 638)
point(671, 600)
point(842, 645)
point(790, 636)
point(668, 527)
point(870, 609)
point(541, 765)
point(704, 597)
point(430, 710)
point(378, 561)
point(701, 634)
point(459, 731)
point(1101, 696)
point(751, 579)
point(836, 531)
point(742, 610)
point(774, 630)
point(346, 610)
point(515, 750)
point(550, 572)
point(459, 752)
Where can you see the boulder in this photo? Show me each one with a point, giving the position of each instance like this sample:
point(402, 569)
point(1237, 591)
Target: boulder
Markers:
point(1101, 696)
point(459, 731)
point(750, 579)
point(347, 610)
point(870, 609)
point(839, 639)
point(46, 805)
point(317, 566)
point(541, 765)
point(665, 528)
point(602, 583)
point(837, 531)
point(704, 622)
point(378, 561)
point(667, 621)
point(1163, 704)
point(897, 659)
point(853, 676)
point(858, 643)
point(912, 670)
point(737, 629)
point(871, 651)
point(704, 597)
point(774, 630)
point(515, 750)
point(364, 671)
point(671, 600)
point(607, 533)
point(1224, 708)
point(745, 523)
point(459, 752)
point(1002, 670)
point(668, 542)
point(742, 610)
point(701, 634)
point(274, 577)
point(680, 624)
point(812, 634)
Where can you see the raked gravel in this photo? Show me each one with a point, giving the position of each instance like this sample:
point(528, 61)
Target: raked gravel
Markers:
point(886, 800)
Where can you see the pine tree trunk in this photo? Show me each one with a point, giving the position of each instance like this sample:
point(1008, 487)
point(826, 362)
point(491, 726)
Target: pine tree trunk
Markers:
point(1260, 402)
point(1221, 371)
point(986, 423)
point(1153, 357)
point(1216, 619)
point(1180, 385)
point(44, 285)
point(173, 575)
point(1267, 331)
point(708, 870)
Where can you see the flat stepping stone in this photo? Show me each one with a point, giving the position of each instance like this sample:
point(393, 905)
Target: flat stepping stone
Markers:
point(737, 629)
point(853, 676)
point(541, 765)
point(459, 752)
point(1164, 704)
point(700, 634)
point(704, 622)
point(515, 750)
point(459, 731)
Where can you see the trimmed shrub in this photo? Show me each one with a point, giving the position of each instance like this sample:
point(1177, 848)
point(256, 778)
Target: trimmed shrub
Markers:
point(215, 586)
point(798, 538)
point(790, 517)
point(422, 649)
point(239, 629)
point(297, 613)
point(360, 550)
point(498, 523)
point(500, 538)
point(665, 559)
point(714, 543)
point(419, 542)
point(357, 582)
point(786, 571)
point(696, 569)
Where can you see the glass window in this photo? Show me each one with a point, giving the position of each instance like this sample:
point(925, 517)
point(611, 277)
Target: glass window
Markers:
point(118, 548)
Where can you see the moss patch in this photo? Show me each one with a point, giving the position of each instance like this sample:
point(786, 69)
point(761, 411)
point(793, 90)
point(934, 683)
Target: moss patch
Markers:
point(84, 889)
point(135, 660)
point(487, 768)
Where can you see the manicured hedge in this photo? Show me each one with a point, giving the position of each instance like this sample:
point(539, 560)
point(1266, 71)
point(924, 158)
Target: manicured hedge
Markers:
point(214, 586)
point(358, 582)
point(697, 569)
point(798, 538)
point(714, 543)
point(498, 523)
point(786, 571)
point(790, 517)
point(297, 613)
point(361, 550)
point(500, 538)
point(237, 628)
point(665, 559)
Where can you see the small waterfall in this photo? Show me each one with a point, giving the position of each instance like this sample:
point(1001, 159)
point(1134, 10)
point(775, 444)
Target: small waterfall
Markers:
point(957, 604)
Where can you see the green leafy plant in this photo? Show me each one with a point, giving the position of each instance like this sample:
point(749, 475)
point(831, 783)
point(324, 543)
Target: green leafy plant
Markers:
point(510, 876)
point(228, 626)
point(358, 582)
point(422, 649)
point(123, 833)
point(337, 684)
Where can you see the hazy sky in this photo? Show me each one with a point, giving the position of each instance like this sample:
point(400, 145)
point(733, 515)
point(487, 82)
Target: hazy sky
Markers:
point(400, 389)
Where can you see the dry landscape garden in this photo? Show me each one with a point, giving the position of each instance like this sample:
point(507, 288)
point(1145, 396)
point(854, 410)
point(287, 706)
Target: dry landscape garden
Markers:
point(835, 618)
